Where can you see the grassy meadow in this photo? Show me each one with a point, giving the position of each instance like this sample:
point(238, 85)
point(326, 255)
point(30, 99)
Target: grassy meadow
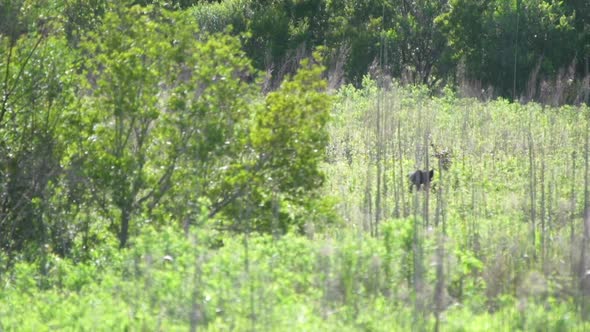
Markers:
point(496, 244)
point(241, 165)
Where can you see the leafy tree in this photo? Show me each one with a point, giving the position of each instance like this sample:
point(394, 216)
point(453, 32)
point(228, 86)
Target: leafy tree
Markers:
point(209, 109)
point(173, 119)
point(249, 159)
point(355, 28)
point(419, 42)
point(400, 36)
point(129, 57)
point(581, 12)
point(150, 120)
point(82, 16)
point(288, 141)
point(12, 25)
point(501, 43)
point(36, 92)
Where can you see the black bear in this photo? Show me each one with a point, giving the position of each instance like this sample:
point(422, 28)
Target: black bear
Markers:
point(419, 178)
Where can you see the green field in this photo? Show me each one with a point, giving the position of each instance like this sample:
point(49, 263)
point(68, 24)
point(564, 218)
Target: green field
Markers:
point(499, 248)
point(242, 165)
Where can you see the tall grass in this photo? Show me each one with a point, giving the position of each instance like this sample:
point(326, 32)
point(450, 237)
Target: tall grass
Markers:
point(511, 204)
point(464, 257)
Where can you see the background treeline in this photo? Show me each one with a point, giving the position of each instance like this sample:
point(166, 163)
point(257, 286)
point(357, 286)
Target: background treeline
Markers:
point(518, 49)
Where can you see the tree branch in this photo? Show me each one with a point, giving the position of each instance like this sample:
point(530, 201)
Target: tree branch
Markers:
point(216, 208)
point(8, 92)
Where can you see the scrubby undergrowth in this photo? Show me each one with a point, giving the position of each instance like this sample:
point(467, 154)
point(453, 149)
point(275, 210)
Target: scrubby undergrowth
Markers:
point(507, 212)
point(337, 282)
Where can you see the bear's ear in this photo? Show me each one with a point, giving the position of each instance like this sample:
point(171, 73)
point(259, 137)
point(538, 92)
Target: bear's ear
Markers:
point(431, 173)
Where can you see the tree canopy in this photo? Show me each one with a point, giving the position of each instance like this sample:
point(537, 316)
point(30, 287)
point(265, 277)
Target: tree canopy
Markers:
point(144, 118)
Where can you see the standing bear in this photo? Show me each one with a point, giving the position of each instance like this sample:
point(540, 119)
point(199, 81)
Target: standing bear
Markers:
point(419, 178)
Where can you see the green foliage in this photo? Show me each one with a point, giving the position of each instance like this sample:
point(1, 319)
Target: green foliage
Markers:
point(281, 32)
point(291, 130)
point(216, 17)
point(180, 112)
point(286, 144)
point(243, 205)
point(122, 115)
point(13, 25)
point(522, 49)
point(252, 282)
point(130, 55)
point(485, 43)
point(499, 243)
point(82, 16)
point(35, 112)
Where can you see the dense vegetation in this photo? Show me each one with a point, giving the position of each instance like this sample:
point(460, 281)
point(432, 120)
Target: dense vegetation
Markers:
point(518, 49)
point(201, 165)
point(504, 224)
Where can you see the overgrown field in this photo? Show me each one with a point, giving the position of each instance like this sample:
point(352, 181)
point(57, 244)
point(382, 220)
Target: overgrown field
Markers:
point(496, 244)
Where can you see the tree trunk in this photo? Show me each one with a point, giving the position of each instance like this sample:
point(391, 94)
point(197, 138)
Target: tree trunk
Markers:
point(532, 186)
point(379, 161)
point(584, 277)
point(124, 233)
point(440, 251)
point(402, 178)
point(543, 212)
point(396, 188)
point(426, 206)
point(572, 219)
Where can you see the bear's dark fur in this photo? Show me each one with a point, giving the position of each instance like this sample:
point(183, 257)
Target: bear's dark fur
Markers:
point(419, 178)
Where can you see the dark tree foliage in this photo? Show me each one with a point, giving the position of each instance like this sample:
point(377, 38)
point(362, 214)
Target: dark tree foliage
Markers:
point(115, 115)
point(515, 47)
